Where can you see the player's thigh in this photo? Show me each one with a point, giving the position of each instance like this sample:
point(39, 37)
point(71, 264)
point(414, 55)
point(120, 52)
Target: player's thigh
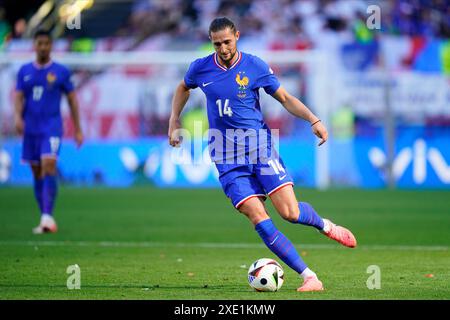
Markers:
point(278, 184)
point(245, 192)
point(273, 175)
point(285, 202)
point(254, 210)
point(31, 149)
point(240, 184)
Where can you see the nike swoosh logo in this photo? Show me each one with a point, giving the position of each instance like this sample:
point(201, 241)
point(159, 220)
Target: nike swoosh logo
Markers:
point(281, 178)
point(207, 84)
point(274, 240)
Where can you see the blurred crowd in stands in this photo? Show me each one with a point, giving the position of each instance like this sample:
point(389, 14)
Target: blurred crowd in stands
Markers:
point(414, 35)
point(300, 20)
point(285, 24)
point(279, 23)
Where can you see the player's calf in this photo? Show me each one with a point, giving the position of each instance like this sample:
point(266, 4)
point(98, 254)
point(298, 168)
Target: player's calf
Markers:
point(308, 216)
point(289, 212)
point(48, 167)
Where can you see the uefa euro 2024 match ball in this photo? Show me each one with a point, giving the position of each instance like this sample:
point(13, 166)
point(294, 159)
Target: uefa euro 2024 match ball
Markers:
point(265, 275)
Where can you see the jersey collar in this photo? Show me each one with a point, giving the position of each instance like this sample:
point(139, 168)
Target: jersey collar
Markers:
point(40, 66)
point(216, 61)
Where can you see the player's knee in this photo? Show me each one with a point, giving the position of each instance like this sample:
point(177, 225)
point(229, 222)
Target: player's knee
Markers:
point(48, 171)
point(254, 213)
point(289, 212)
point(49, 168)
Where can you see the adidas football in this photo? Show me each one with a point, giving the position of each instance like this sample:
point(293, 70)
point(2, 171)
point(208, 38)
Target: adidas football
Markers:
point(265, 275)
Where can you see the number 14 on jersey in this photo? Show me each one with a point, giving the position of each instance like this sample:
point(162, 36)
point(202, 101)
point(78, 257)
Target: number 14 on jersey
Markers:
point(226, 109)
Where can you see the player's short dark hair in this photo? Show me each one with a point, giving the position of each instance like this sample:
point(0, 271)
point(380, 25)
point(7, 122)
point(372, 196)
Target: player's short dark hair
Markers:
point(44, 33)
point(221, 23)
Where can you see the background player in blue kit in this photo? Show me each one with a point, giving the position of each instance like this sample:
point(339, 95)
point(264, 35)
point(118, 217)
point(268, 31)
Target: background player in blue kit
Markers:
point(38, 117)
point(230, 80)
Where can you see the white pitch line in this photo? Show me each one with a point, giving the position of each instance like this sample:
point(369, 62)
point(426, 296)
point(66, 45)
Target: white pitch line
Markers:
point(216, 245)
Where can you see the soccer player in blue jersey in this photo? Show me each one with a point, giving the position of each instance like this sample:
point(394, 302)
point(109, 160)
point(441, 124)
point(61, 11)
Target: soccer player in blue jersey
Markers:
point(40, 85)
point(231, 80)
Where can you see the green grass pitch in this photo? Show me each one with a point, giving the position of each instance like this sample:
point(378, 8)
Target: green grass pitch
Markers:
point(147, 243)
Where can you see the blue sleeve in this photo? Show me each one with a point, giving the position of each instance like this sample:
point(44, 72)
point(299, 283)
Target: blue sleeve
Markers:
point(265, 77)
point(190, 78)
point(19, 84)
point(67, 85)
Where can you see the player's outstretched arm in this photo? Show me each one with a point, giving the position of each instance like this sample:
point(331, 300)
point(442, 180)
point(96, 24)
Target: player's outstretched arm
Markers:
point(74, 111)
point(298, 109)
point(179, 100)
point(18, 110)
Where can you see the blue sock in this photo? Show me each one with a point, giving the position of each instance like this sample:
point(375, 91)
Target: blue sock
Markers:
point(308, 216)
point(280, 245)
point(49, 191)
point(37, 186)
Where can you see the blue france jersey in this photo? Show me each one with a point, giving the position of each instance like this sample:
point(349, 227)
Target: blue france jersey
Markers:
point(232, 97)
point(232, 94)
point(42, 87)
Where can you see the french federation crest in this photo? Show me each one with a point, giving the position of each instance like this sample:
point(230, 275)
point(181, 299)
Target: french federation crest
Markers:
point(242, 80)
point(51, 77)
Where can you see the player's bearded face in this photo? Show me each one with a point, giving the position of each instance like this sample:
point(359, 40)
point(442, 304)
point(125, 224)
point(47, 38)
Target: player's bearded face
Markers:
point(224, 42)
point(43, 46)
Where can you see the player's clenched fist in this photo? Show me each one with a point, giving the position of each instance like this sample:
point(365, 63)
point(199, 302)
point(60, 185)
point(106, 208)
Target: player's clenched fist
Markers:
point(174, 132)
point(79, 138)
point(320, 131)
